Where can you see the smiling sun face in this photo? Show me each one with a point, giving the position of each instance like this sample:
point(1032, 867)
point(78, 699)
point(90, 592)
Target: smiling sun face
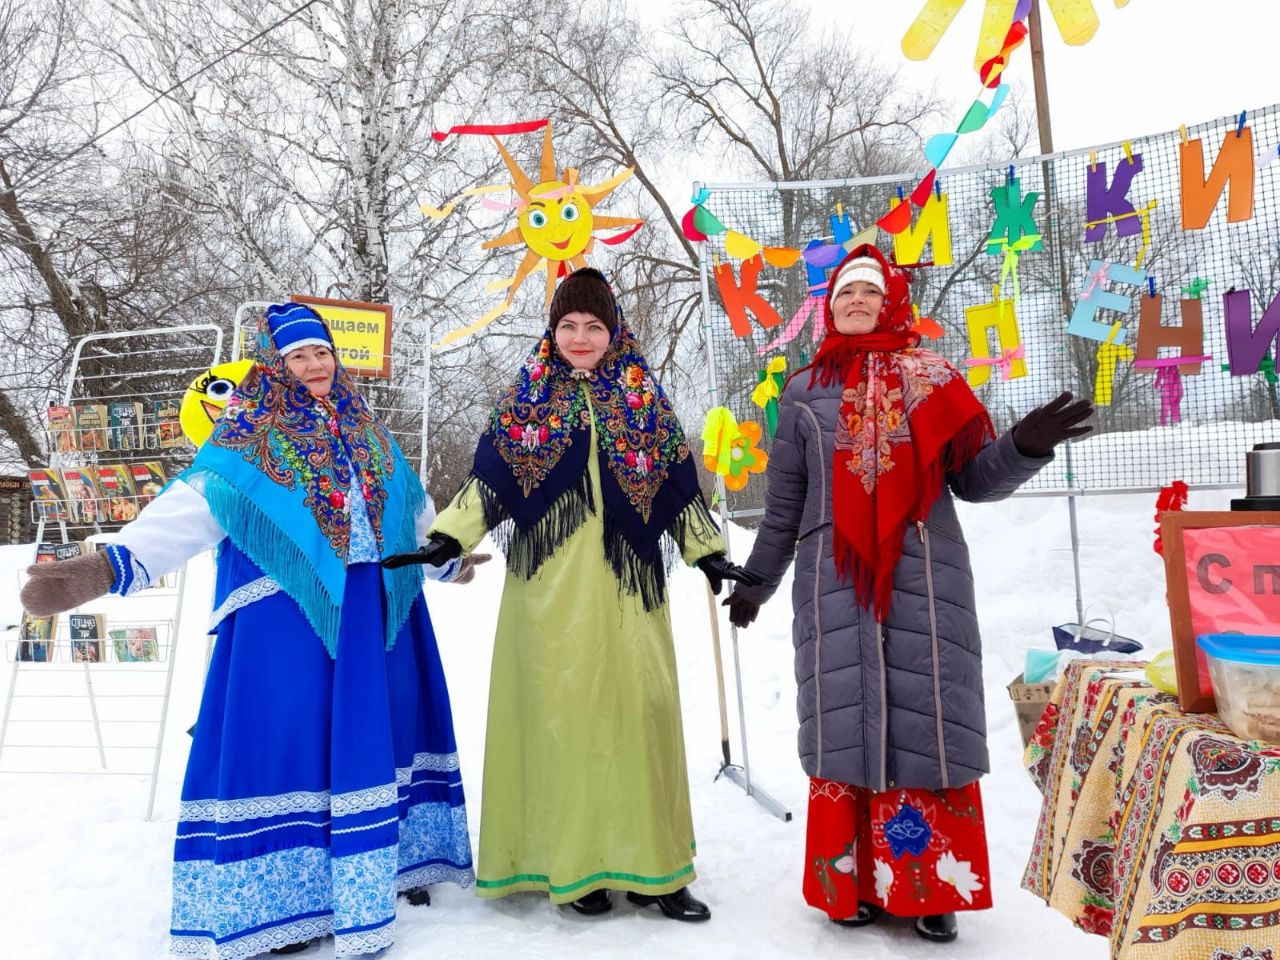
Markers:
point(557, 223)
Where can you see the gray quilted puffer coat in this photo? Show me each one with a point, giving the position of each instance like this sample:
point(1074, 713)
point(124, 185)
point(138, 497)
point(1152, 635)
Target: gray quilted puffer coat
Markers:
point(897, 704)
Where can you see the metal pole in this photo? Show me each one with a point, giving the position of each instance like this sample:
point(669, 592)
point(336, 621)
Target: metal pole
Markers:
point(175, 628)
point(8, 700)
point(715, 647)
point(739, 775)
point(1045, 125)
point(93, 712)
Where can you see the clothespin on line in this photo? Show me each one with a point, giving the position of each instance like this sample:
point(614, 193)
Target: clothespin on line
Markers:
point(1244, 115)
point(1183, 130)
point(1093, 161)
point(1128, 151)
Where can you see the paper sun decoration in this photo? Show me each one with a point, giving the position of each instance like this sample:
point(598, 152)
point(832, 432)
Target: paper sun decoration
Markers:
point(555, 221)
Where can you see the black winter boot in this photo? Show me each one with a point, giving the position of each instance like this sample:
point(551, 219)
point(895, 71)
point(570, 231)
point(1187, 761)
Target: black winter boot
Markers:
point(940, 928)
point(867, 913)
point(418, 896)
point(594, 903)
point(680, 905)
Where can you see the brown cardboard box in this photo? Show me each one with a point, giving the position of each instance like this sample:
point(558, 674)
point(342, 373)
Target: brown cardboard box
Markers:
point(1029, 701)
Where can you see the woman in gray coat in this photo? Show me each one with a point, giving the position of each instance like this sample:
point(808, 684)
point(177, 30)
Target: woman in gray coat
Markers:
point(872, 439)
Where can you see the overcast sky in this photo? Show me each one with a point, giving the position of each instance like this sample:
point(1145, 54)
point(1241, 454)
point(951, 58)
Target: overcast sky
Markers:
point(1151, 66)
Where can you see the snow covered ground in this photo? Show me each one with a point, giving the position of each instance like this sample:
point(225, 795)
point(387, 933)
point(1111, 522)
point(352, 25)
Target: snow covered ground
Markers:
point(82, 874)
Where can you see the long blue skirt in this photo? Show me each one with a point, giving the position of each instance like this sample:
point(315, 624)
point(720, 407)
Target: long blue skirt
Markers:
point(317, 788)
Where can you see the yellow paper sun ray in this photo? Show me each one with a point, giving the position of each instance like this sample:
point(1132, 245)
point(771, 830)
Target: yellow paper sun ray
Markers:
point(528, 265)
point(439, 213)
point(463, 332)
point(547, 169)
point(519, 179)
point(512, 236)
point(610, 222)
point(601, 190)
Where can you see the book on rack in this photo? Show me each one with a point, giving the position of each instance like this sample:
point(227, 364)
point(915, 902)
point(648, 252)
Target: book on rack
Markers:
point(148, 480)
point(36, 638)
point(49, 494)
point(84, 496)
point(165, 414)
point(124, 425)
point(116, 481)
point(51, 552)
point(87, 631)
point(91, 426)
point(135, 644)
point(62, 429)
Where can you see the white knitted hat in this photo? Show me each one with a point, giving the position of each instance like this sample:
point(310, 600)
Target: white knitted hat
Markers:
point(867, 269)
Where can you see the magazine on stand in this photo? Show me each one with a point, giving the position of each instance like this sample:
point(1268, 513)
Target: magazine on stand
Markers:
point(84, 497)
point(87, 631)
point(62, 429)
point(49, 495)
point(116, 481)
point(168, 426)
point(91, 426)
point(36, 639)
point(148, 480)
point(124, 430)
point(135, 644)
point(50, 552)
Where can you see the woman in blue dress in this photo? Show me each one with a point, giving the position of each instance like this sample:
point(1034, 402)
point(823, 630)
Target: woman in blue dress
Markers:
point(323, 778)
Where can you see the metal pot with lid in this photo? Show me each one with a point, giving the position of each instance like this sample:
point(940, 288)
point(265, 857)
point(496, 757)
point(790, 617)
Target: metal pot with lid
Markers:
point(1262, 479)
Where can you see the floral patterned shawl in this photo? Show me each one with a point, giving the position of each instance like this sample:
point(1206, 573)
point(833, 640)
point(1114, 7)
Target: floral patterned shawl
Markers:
point(907, 419)
point(531, 464)
point(277, 473)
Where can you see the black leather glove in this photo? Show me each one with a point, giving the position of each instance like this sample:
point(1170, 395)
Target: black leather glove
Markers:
point(1036, 434)
point(718, 569)
point(439, 550)
point(742, 612)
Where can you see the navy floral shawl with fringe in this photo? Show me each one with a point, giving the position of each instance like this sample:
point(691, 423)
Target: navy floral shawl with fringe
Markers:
point(531, 473)
point(277, 472)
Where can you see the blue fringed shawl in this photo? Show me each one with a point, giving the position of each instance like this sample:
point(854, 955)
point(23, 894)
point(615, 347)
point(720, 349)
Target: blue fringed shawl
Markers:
point(276, 472)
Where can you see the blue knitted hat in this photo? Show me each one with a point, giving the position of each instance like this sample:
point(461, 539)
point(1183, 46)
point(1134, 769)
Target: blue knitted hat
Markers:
point(293, 325)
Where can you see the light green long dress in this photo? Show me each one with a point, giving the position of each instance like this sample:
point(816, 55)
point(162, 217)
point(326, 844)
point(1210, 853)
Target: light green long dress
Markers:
point(585, 781)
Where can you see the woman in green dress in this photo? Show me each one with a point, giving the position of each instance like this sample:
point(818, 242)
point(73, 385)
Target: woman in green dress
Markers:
point(585, 785)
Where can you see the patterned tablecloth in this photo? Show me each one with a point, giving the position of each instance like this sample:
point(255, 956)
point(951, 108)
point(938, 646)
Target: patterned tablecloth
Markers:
point(1160, 830)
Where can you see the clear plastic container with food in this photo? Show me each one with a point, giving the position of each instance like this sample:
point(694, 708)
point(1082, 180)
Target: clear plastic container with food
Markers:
point(1245, 671)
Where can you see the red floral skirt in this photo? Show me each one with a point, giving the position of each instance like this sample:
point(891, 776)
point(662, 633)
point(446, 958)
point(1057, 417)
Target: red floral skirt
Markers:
point(914, 853)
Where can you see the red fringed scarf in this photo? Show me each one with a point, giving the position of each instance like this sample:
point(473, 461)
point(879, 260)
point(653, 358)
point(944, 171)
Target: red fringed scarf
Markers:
point(907, 419)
